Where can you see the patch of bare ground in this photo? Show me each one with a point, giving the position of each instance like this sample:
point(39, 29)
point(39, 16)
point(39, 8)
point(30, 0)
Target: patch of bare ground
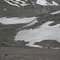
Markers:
point(17, 53)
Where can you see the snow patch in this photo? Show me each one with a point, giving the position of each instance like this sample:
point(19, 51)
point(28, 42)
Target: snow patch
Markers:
point(55, 3)
point(57, 12)
point(12, 3)
point(44, 2)
point(16, 20)
point(24, 4)
point(31, 23)
point(16, 3)
point(38, 34)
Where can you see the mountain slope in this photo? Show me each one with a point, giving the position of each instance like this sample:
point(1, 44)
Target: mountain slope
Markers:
point(42, 27)
point(28, 24)
point(45, 28)
point(8, 10)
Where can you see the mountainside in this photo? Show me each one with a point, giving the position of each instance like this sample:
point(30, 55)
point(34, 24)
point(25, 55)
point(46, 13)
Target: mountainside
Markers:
point(44, 28)
point(25, 22)
point(35, 30)
point(29, 10)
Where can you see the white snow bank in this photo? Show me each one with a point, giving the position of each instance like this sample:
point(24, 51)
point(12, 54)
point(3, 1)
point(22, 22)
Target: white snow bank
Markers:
point(43, 32)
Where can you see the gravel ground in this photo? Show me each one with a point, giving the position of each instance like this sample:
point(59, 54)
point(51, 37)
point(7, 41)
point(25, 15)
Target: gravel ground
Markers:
point(17, 53)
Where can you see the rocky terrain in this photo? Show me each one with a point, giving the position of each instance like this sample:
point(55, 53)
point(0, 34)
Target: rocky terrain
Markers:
point(17, 53)
point(23, 23)
point(29, 30)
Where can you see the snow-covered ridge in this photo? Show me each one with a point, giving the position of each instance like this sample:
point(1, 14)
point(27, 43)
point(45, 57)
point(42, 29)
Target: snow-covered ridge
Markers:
point(43, 32)
point(19, 3)
point(44, 2)
point(16, 3)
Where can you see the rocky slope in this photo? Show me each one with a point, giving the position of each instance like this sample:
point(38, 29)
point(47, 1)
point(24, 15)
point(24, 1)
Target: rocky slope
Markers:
point(49, 44)
point(25, 25)
point(29, 10)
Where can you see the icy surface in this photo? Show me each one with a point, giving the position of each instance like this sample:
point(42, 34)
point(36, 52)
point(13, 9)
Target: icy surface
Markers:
point(43, 32)
point(16, 20)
